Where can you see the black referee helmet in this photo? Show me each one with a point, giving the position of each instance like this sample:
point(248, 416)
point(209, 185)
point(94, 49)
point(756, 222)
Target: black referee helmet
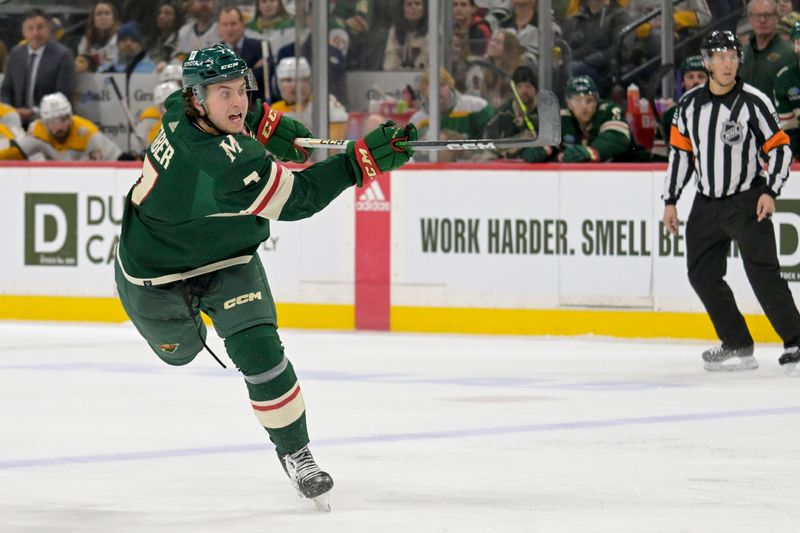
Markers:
point(717, 41)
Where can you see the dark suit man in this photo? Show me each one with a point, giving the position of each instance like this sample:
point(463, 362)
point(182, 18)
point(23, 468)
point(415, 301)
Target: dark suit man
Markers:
point(36, 68)
point(230, 26)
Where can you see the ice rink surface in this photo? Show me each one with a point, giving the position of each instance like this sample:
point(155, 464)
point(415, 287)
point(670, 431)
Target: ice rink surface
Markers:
point(420, 432)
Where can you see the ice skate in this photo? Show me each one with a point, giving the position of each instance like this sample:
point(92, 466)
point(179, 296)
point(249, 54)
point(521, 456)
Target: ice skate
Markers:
point(307, 478)
point(724, 359)
point(789, 359)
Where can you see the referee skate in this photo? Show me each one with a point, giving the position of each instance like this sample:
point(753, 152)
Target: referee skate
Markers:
point(723, 359)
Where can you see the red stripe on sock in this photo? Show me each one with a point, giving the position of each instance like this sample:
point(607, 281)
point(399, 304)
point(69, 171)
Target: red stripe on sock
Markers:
point(291, 397)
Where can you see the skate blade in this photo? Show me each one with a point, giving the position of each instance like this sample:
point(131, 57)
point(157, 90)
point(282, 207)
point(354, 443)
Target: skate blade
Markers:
point(791, 369)
point(322, 503)
point(745, 363)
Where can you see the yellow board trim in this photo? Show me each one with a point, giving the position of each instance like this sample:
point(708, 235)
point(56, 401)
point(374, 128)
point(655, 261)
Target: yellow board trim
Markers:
point(85, 309)
point(607, 322)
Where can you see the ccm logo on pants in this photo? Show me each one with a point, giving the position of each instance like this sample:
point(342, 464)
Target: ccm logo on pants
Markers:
point(243, 299)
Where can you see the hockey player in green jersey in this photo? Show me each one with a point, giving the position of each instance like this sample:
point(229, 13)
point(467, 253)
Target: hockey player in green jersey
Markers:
point(787, 95)
point(591, 130)
point(193, 223)
point(693, 73)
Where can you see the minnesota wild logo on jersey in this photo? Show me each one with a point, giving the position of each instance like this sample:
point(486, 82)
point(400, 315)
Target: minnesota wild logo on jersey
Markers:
point(193, 184)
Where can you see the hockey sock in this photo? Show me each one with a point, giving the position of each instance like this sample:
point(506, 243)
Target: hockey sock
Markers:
point(272, 385)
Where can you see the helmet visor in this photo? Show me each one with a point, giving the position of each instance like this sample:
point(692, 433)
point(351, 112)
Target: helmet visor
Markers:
point(250, 83)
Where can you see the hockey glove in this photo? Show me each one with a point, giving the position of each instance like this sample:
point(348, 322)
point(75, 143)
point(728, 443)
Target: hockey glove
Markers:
point(378, 151)
point(536, 154)
point(577, 154)
point(277, 133)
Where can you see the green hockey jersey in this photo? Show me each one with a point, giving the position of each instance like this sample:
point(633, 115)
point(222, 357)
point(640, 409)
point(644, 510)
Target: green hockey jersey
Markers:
point(509, 122)
point(203, 201)
point(787, 100)
point(608, 133)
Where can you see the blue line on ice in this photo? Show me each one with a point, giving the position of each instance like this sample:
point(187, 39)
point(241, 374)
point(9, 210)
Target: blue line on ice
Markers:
point(397, 437)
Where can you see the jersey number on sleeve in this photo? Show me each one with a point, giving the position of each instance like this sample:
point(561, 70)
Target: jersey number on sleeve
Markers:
point(145, 183)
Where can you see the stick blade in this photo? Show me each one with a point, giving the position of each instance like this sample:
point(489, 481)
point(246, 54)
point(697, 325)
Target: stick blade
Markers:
point(549, 127)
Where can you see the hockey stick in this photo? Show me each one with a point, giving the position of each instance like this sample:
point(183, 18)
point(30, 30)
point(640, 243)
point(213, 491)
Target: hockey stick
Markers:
point(131, 122)
point(265, 55)
point(549, 134)
point(502, 74)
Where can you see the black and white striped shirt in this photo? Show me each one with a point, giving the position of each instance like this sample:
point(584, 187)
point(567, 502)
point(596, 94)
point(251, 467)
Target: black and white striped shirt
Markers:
point(727, 142)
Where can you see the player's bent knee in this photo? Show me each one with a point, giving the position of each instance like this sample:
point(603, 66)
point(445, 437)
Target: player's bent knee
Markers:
point(178, 354)
point(258, 353)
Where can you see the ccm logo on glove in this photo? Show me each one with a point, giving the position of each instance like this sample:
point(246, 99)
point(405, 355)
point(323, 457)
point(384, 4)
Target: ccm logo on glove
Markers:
point(271, 118)
point(368, 166)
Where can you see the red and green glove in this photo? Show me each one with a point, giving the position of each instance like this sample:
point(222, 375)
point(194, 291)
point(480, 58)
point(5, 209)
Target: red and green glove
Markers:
point(277, 133)
point(578, 153)
point(381, 150)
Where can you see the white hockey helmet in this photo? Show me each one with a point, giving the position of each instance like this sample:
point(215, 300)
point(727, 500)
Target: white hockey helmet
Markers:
point(290, 68)
point(54, 106)
point(162, 90)
point(172, 72)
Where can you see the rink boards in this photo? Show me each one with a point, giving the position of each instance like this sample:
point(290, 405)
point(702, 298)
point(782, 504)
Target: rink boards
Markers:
point(500, 248)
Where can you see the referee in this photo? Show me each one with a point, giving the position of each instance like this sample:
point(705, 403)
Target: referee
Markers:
point(727, 133)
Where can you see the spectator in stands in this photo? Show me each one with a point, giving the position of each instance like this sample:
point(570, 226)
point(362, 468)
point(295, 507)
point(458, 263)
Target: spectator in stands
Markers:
point(524, 19)
point(61, 136)
point(141, 12)
point(355, 17)
point(516, 118)
point(463, 116)
point(693, 73)
point(273, 24)
point(787, 95)
point(337, 61)
point(295, 75)
point(461, 61)
point(469, 23)
point(489, 77)
point(230, 25)
point(163, 42)
point(100, 39)
point(85, 63)
point(132, 57)
point(407, 43)
point(784, 7)
point(766, 53)
point(591, 130)
point(200, 31)
point(593, 36)
point(150, 119)
point(687, 16)
point(38, 67)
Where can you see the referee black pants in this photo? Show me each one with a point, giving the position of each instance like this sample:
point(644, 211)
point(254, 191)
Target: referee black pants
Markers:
point(711, 226)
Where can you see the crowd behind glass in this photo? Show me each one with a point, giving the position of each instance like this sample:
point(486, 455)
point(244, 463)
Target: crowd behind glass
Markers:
point(488, 82)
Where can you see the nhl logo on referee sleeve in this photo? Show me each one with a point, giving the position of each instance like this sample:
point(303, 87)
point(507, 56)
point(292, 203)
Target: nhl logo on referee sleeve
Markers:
point(732, 133)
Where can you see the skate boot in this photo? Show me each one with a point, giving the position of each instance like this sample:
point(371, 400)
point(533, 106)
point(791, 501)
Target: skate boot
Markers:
point(307, 478)
point(725, 359)
point(789, 359)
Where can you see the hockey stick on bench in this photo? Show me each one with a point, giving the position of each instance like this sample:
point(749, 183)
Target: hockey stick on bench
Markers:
point(549, 134)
